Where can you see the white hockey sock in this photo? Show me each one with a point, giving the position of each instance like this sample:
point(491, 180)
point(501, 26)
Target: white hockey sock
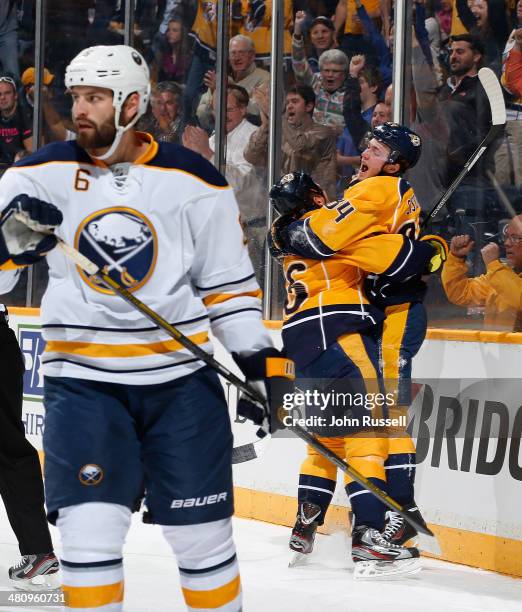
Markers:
point(208, 565)
point(91, 565)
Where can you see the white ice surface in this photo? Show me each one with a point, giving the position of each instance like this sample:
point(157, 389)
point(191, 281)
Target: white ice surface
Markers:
point(325, 584)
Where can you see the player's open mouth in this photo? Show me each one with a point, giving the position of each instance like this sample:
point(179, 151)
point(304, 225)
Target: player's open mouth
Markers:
point(363, 168)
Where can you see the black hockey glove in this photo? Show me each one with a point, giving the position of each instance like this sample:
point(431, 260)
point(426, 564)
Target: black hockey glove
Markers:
point(274, 238)
point(272, 375)
point(25, 243)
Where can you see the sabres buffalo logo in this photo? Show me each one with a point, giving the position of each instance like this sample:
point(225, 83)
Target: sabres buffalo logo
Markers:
point(90, 475)
point(122, 242)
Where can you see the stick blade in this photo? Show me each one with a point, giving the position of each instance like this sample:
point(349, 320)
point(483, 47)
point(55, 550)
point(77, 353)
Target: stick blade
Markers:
point(429, 544)
point(495, 96)
point(244, 453)
point(250, 451)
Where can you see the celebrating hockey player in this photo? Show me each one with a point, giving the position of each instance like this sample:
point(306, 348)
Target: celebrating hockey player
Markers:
point(128, 409)
point(391, 151)
point(329, 331)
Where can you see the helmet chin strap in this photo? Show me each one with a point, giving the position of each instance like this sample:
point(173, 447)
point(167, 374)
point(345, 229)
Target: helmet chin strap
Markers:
point(120, 130)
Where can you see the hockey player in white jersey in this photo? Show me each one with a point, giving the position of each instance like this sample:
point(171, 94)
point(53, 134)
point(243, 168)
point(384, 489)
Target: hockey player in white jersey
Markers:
point(128, 409)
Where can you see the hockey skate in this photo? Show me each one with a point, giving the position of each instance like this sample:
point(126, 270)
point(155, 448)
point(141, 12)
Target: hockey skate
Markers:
point(35, 573)
point(303, 533)
point(376, 558)
point(398, 531)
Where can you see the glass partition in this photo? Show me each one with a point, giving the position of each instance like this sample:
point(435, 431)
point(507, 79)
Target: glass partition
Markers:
point(449, 109)
point(335, 84)
point(16, 113)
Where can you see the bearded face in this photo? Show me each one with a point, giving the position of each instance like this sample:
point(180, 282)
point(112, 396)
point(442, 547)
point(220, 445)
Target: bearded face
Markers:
point(95, 136)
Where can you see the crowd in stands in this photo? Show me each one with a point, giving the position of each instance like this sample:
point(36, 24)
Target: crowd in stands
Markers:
point(337, 87)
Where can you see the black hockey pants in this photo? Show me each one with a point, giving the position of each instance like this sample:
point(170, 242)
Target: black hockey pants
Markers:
point(21, 484)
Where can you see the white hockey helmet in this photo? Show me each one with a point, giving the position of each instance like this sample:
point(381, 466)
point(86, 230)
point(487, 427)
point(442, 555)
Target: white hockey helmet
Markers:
point(119, 68)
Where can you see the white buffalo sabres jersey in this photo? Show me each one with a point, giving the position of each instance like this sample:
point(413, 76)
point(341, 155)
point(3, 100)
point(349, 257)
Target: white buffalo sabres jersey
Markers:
point(167, 228)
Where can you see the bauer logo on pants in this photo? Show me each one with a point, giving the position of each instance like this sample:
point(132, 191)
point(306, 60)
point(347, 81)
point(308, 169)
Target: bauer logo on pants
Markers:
point(193, 502)
point(121, 241)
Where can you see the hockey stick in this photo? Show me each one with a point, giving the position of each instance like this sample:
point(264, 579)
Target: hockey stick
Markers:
point(429, 543)
point(250, 451)
point(99, 274)
point(498, 120)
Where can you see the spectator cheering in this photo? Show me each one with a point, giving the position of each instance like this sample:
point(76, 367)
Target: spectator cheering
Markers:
point(238, 171)
point(321, 38)
point(244, 73)
point(465, 106)
point(349, 26)
point(328, 84)
point(306, 145)
point(492, 29)
point(164, 120)
point(500, 289)
point(360, 100)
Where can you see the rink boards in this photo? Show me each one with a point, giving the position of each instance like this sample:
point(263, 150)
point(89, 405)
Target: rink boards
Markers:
point(467, 412)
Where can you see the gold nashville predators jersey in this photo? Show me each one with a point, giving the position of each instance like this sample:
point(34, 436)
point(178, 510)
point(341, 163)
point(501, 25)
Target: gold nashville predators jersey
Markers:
point(204, 28)
point(261, 35)
point(325, 298)
point(353, 236)
point(167, 228)
point(375, 205)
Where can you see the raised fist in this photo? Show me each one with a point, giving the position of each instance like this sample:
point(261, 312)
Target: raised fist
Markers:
point(460, 246)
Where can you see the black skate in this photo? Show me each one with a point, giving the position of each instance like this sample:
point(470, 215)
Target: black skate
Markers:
point(375, 557)
point(35, 572)
point(398, 531)
point(303, 533)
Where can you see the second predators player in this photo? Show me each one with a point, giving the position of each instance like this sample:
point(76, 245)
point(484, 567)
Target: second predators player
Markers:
point(392, 150)
point(329, 332)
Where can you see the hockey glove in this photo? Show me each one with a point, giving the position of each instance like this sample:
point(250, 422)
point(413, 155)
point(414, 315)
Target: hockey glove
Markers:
point(272, 375)
point(23, 243)
point(274, 238)
point(441, 252)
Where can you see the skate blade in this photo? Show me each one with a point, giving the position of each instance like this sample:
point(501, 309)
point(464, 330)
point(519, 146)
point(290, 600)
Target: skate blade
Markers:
point(386, 570)
point(48, 582)
point(428, 543)
point(298, 560)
